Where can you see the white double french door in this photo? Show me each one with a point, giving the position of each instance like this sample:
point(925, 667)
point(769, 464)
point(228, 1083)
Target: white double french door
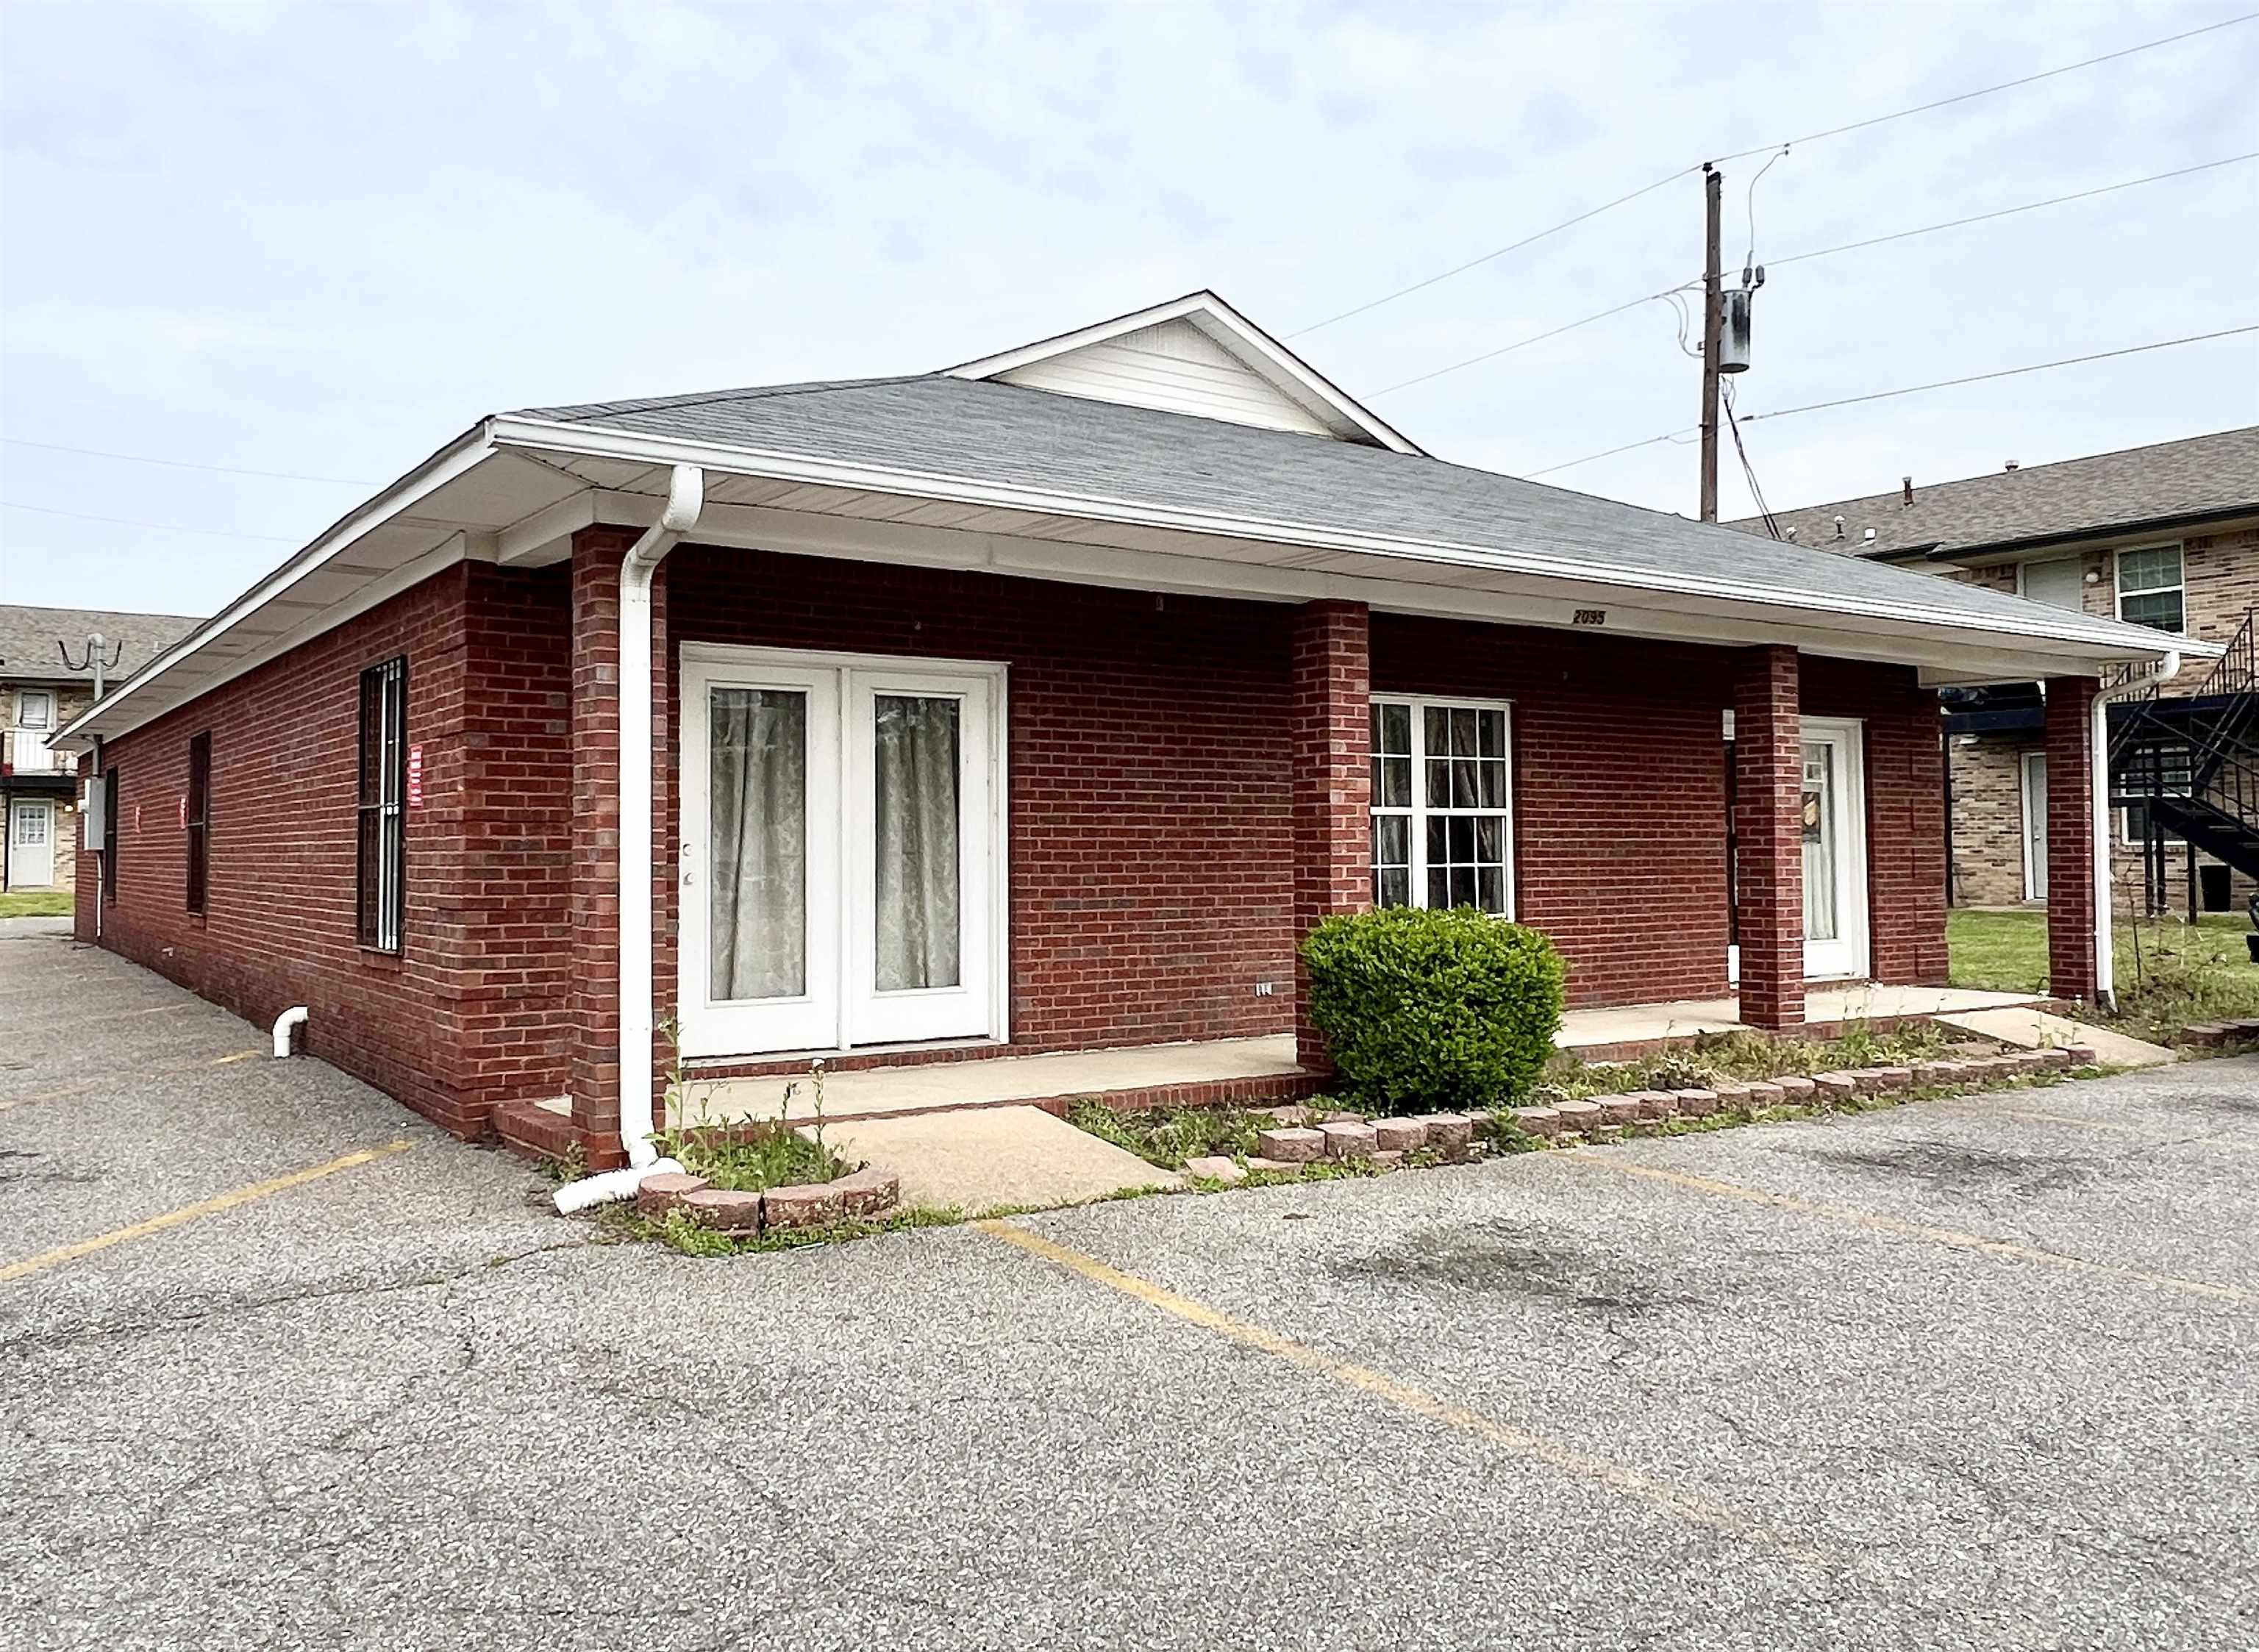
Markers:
point(842, 855)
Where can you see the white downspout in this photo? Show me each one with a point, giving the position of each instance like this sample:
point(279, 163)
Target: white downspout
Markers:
point(2098, 741)
point(284, 1023)
point(686, 499)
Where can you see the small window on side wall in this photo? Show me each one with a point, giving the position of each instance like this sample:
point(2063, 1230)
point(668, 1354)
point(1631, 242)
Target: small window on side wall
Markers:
point(380, 897)
point(199, 817)
point(2150, 589)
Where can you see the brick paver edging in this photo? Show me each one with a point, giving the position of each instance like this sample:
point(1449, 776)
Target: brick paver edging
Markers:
point(863, 1195)
point(1302, 1138)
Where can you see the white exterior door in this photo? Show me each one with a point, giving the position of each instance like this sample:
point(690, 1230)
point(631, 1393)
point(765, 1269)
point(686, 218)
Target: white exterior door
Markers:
point(31, 844)
point(2035, 868)
point(1832, 807)
point(842, 854)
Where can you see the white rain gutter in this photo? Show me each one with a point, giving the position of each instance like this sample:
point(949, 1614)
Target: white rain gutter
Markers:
point(2137, 679)
point(686, 500)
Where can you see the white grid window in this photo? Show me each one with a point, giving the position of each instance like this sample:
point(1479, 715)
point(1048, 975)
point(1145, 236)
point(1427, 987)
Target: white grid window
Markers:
point(1443, 797)
point(2150, 587)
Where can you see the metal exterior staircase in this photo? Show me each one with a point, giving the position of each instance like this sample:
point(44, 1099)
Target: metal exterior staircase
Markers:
point(2191, 765)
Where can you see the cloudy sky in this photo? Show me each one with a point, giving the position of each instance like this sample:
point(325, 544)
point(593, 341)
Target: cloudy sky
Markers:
point(323, 239)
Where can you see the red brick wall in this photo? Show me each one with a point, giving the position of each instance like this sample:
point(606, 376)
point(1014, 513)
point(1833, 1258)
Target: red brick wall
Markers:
point(2071, 959)
point(1768, 789)
point(1332, 783)
point(467, 1013)
point(1150, 827)
point(1619, 802)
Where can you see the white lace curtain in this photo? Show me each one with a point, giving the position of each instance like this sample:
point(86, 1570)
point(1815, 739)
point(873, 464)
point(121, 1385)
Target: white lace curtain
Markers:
point(758, 910)
point(916, 753)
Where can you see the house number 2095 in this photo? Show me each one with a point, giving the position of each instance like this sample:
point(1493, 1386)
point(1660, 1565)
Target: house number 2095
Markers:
point(1589, 616)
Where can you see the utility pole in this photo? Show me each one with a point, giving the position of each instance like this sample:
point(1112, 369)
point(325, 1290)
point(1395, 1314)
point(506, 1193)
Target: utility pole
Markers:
point(1713, 327)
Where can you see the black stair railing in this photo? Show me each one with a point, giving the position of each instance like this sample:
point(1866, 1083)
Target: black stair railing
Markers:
point(2196, 772)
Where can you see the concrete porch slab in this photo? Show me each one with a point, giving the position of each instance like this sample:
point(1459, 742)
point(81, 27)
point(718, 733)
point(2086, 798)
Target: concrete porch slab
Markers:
point(2031, 1029)
point(997, 1081)
point(992, 1159)
point(1637, 1024)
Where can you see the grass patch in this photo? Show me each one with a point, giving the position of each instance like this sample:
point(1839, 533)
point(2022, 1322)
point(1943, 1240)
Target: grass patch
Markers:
point(624, 1224)
point(2169, 972)
point(746, 1158)
point(1167, 1136)
point(35, 903)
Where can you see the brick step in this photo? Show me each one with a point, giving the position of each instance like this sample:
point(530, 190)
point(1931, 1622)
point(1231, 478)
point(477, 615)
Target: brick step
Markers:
point(532, 1131)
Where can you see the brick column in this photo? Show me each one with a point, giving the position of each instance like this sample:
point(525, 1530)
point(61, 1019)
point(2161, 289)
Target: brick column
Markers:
point(1332, 723)
point(594, 902)
point(2072, 968)
point(1768, 822)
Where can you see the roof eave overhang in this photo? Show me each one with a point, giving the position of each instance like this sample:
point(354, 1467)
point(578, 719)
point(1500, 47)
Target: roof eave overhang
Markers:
point(2178, 521)
point(1255, 557)
point(529, 499)
point(127, 705)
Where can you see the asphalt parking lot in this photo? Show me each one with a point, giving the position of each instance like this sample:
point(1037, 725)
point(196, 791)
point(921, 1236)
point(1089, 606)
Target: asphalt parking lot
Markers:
point(1963, 1374)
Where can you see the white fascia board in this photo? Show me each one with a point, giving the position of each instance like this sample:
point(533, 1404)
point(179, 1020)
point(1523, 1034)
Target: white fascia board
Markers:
point(2101, 641)
point(1288, 372)
point(859, 539)
point(462, 454)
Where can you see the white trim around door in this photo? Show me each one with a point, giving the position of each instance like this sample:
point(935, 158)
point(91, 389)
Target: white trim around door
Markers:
point(31, 844)
point(2033, 770)
point(1834, 809)
point(841, 867)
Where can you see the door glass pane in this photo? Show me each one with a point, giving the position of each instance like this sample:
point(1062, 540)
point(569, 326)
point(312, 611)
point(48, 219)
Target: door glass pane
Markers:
point(1820, 841)
point(916, 751)
point(757, 899)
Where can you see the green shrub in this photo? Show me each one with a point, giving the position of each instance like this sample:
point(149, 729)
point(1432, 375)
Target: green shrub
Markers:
point(1429, 1010)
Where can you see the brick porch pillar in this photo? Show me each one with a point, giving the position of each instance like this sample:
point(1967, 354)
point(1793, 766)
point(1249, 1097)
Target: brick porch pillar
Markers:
point(595, 905)
point(1768, 822)
point(1332, 792)
point(2073, 962)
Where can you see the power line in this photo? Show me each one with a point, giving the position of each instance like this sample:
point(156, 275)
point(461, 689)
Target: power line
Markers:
point(1748, 471)
point(1986, 91)
point(1742, 154)
point(1513, 247)
point(2004, 372)
point(1650, 441)
point(1539, 337)
point(1879, 396)
point(182, 464)
point(129, 522)
point(2003, 212)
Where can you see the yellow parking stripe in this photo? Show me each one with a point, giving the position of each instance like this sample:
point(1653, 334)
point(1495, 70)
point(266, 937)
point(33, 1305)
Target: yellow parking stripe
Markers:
point(96, 1084)
point(1954, 1238)
point(47, 1259)
point(1615, 1476)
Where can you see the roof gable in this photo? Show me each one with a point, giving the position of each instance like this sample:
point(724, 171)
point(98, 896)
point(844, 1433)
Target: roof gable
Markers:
point(1194, 355)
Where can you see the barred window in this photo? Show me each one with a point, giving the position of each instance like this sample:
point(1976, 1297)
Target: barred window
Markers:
point(383, 857)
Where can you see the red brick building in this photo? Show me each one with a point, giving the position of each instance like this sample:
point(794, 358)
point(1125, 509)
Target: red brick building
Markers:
point(1039, 704)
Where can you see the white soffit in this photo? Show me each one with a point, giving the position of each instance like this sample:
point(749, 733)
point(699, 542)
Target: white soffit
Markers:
point(1194, 355)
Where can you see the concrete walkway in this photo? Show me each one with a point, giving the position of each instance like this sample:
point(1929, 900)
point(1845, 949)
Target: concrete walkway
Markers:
point(2032, 1029)
point(996, 1158)
point(993, 1081)
point(1823, 1005)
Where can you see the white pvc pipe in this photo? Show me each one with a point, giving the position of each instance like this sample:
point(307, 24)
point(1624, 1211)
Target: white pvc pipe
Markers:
point(285, 1023)
point(686, 499)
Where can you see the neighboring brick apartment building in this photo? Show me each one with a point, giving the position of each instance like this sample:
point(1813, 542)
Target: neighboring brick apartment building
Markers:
point(1042, 703)
point(2165, 536)
point(46, 678)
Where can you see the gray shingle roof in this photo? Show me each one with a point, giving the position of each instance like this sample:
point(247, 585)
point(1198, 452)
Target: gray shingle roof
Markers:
point(1008, 436)
point(28, 637)
point(2201, 476)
